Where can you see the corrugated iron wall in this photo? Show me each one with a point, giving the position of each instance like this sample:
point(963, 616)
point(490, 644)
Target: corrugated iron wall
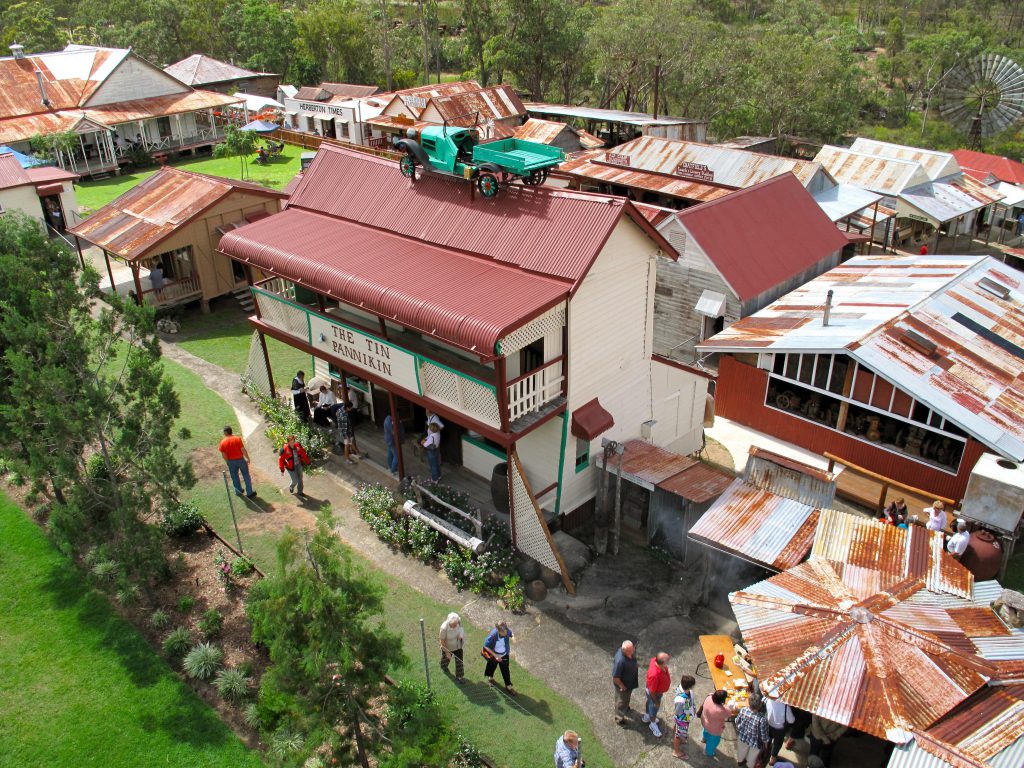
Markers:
point(740, 397)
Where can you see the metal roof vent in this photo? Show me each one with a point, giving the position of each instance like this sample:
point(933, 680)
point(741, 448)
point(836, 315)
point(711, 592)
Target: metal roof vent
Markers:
point(920, 343)
point(996, 289)
point(17, 51)
point(42, 89)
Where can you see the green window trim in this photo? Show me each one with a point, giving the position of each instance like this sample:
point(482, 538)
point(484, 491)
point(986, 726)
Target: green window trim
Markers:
point(484, 446)
point(582, 456)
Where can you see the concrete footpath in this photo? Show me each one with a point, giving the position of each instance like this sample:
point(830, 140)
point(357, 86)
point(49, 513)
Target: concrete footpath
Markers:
point(566, 641)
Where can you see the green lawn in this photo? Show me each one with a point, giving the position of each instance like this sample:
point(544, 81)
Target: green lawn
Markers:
point(1015, 573)
point(519, 733)
point(222, 338)
point(78, 685)
point(93, 195)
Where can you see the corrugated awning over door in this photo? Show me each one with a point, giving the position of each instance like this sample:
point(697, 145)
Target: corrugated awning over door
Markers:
point(590, 420)
point(711, 304)
point(44, 190)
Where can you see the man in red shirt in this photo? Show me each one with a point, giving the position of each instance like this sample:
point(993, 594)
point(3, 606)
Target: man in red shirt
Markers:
point(658, 681)
point(233, 450)
point(292, 458)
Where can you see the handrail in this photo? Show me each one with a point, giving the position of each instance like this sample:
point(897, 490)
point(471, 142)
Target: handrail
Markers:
point(535, 371)
point(833, 460)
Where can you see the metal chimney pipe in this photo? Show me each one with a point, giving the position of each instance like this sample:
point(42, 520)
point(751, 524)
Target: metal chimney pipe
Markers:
point(42, 88)
point(828, 309)
point(17, 51)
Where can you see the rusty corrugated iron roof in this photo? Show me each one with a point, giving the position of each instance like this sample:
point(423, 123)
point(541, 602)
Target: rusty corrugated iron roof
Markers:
point(498, 102)
point(970, 307)
point(70, 78)
point(938, 165)
point(199, 69)
point(853, 542)
point(941, 202)
point(11, 173)
point(645, 463)
point(699, 483)
point(23, 128)
point(884, 175)
point(758, 525)
point(790, 478)
point(591, 166)
point(880, 660)
point(152, 211)
point(546, 131)
point(160, 106)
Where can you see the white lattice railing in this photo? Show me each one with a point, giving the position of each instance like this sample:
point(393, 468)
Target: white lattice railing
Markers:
point(472, 397)
point(530, 392)
point(530, 532)
point(282, 314)
point(550, 321)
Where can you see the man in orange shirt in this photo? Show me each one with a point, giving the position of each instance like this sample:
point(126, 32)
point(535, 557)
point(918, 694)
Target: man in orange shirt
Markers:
point(233, 450)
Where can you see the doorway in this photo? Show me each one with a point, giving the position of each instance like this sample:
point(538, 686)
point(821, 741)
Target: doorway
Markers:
point(53, 212)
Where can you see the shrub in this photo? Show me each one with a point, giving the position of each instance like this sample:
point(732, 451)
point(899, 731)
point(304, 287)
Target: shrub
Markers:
point(177, 643)
point(105, 570)
point(283, 421)
point(284, 743)
point(512, 594)
point(468, 756)
point(223, 565)
point(456, 563)
point(233, 684)
point(374, 501)
point(159, 618)
point(96, 467)
point(211, 623)
point(422, 540)
point(186, 603)
point(128, 594)
point(251, 715)
point(203, 661)
point(182, 520)
point(242, 566)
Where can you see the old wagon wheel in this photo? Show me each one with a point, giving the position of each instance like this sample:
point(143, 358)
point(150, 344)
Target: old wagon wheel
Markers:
point(536, 177)
point(407, 165)
point(487, 183)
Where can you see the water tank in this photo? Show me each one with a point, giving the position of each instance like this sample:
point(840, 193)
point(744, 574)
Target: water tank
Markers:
point(984, 555)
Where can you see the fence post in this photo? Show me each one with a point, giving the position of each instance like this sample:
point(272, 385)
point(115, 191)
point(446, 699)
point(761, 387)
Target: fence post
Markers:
point(426, 661)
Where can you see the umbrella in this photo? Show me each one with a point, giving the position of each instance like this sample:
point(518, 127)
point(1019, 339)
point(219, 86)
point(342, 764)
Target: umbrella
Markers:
point(881, 654)
point(261, 126)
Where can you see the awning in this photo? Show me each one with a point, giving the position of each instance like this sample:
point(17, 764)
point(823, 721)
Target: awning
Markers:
point(590, 420)
point(49, 189)
point(711, 304)
point(856, 237)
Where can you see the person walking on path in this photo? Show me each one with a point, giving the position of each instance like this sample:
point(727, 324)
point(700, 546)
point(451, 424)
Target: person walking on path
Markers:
point(389, 442)
point(496, 650)
point(432, 444)
point(780, 719)
point(291, 459)
point(299, 398)
point(683, 709)
point(824, 735)
point(713, 713)
point(658, 682)
point(452, 640)
point(233, 450)
point(751, 733)
point(625, 678)
point(567, 751)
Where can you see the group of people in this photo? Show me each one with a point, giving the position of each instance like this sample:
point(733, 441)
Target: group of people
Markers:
point(763, 726)
point(496, 651)
point(896, 514)
point(329, 413)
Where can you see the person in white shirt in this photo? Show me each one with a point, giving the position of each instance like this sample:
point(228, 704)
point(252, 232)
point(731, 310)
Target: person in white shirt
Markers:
point(452, 640)
point(780, 719)
point(327, 397)
point(432, 442)
point(957, 544)
point(936, 516)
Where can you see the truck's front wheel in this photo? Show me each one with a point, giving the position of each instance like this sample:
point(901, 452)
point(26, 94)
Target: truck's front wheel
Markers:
point(408, 166)
point(487, 183)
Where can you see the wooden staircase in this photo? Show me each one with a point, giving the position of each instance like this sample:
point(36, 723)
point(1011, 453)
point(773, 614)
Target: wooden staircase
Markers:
point(244, 298)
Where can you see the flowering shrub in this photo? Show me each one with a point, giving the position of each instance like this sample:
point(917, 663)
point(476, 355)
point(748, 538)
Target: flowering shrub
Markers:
point(422, 540)
point(223, 565)
point(283, 421)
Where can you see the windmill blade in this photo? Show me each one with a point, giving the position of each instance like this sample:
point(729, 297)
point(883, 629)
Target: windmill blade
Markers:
point(983, 96)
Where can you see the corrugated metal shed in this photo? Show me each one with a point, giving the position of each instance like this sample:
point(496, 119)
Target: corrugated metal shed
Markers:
point(550, 232)
point(593, 167)
point(790, 478)
point(938, 165)
point(783, 234)
point(699, 483)
point(652, 467)
point(758, 525)
point(945, 201)
point(971, 308)
point(199, 69)
point(150, 212)
point(853, 543)
point(549, 131)
point(875, 660)
point(464, 300)
point(1013, 196)
point(1002, 168)
point(884, 175)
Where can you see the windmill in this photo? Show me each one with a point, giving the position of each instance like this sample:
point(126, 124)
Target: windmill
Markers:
point(983, 96)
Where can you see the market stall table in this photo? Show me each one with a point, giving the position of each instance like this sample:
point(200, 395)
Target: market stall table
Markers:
point(730, 677)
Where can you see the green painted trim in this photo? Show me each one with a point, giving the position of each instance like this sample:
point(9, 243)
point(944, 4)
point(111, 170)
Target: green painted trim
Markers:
point(355, 386)
point(561, 465)
point(585, 464)
point(484, 446)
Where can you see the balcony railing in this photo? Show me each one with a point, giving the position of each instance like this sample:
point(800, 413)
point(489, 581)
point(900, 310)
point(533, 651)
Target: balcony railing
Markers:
point(165, 143)
point(174, 291)
point(433, 380)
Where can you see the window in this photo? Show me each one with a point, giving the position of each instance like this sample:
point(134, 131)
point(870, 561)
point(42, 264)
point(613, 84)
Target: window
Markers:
point(582, 454)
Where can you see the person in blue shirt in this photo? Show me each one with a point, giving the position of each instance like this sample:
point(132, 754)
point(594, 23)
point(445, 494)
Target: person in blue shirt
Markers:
point(496, 650)
point(567, 751)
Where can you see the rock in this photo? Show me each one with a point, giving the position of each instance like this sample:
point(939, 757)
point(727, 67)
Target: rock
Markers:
point(529, 569)
point(1010, 607)
point(536, 590)
point(549, 578)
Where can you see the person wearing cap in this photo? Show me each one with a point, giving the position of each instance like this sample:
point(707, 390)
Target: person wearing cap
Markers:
point(957, 544)
point(496, 650)
point(567, 751)
point(936, 516)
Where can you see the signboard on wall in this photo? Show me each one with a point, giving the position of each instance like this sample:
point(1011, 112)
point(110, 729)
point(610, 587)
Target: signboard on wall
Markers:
point(307, 106)
point(361, 352)
point(417, 102)
point(616, 159)
point(695, 171)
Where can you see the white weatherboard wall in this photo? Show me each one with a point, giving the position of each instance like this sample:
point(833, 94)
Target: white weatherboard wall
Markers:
point(22, 199)
point(135, 79)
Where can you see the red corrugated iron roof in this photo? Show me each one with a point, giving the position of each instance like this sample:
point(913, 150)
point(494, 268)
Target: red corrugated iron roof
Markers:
point(11, 173)
point(979, 729)
point(764, 235)
point(700, 483)
point(41, 174)
point(884, 660)
point(70, 77)
point(856, 542)
point(592, 166)
point(1003, 168)
point(648, 463)
point(465, 300)
point(150, 212)
point(551, 232)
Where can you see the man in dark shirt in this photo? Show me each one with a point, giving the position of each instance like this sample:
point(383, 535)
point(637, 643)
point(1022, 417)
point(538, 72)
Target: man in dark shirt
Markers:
point(299, 398)
point(625, 680)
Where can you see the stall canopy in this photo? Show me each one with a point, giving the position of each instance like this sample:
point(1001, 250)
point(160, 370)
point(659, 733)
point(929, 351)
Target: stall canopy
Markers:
point(871, 650)
point(261, 126)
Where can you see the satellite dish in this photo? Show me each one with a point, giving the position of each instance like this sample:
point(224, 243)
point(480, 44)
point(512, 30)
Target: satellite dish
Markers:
point(983, 96)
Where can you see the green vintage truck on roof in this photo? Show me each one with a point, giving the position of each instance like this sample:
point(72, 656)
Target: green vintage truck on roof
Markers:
point(456, 151)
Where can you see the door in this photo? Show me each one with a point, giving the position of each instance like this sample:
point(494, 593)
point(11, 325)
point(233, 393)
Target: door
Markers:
point(53, 212)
